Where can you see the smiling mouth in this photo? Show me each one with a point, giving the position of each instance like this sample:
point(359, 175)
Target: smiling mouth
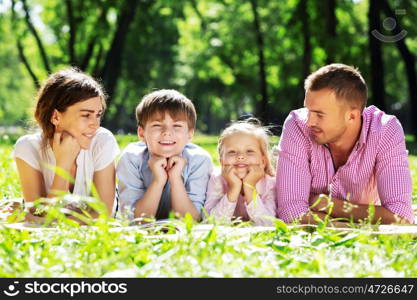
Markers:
point(241, 165)
point(167, 143)
point(89, 136)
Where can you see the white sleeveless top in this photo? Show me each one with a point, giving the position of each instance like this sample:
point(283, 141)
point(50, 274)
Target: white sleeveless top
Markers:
point(103, 150)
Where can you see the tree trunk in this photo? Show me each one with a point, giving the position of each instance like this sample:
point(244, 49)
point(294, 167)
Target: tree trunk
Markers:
point(262, 106)
point(85, 60)
point(377, 63)
point(305, 20)
point(331, 23)
point(409, 61)
point(112, 66)
point(72, 31)
point(25, 62)
point(37, 37)
point(22, 55)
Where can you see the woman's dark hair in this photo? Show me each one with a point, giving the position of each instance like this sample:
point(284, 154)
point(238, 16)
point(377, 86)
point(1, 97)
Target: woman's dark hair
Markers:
point(61, 90)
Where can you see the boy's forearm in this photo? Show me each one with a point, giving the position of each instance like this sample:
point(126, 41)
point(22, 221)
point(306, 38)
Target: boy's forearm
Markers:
point(180, 201)
point(148, 204)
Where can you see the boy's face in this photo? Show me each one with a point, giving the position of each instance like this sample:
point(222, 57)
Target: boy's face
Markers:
point(165, 136)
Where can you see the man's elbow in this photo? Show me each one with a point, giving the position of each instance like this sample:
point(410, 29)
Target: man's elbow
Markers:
point(289, 218)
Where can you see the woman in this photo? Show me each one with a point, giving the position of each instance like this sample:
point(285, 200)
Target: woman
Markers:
point(69, 108)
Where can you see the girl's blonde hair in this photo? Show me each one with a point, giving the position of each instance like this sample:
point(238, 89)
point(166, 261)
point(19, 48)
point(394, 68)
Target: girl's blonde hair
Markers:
point(251, 126)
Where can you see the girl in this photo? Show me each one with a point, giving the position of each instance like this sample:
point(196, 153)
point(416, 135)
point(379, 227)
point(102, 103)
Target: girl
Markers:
point(69, 108)
point(246, 186)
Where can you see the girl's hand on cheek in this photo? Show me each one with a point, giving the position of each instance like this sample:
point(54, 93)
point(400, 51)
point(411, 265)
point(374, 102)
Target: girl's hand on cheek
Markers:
point(256, 172)
point(233, 181)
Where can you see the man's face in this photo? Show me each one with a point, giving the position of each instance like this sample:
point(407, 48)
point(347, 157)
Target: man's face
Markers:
point(328, 117)
point(165, 136)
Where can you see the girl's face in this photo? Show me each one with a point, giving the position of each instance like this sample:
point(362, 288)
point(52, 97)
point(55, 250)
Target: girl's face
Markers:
point(81, 120)
point(242, 150)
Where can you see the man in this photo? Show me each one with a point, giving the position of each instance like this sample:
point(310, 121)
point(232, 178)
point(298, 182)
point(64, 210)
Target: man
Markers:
point(336, 146)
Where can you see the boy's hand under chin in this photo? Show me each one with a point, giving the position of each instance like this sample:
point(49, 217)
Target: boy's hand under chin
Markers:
point(175, 166)
point(158, 166)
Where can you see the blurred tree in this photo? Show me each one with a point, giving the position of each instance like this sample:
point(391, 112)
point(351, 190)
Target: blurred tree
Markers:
point(230, 57)
point(16, 89)
point(79, 27)
point(305, 20)
point(331, 25)
point(409, 62)
point(377, 64)
point(262, 104)
point(148, 60)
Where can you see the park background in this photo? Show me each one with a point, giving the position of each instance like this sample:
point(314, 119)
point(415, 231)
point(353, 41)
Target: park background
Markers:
point(231, 58)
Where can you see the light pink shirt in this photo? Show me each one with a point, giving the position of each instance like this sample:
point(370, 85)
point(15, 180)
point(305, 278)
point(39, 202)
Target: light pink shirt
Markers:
point(376, 171)
point(218, 204)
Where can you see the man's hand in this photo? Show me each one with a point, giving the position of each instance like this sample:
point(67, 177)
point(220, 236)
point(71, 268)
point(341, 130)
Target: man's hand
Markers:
point(158, 167)
point(320, 203)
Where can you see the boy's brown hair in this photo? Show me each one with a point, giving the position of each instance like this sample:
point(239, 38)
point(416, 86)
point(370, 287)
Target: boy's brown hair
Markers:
point(345, 81)
point(161, 101)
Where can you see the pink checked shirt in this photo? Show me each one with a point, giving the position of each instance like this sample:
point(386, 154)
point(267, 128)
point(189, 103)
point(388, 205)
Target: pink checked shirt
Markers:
point(217, 203)
point(376, 171)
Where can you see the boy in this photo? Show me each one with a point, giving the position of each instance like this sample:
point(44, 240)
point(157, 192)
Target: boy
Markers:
point(164, 172)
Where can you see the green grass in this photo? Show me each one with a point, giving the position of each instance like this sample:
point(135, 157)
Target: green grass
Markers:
point(95, 251)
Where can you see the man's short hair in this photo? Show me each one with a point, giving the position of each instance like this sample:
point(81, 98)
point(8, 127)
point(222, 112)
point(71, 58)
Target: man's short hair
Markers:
point(345, 81)
point(161, 101)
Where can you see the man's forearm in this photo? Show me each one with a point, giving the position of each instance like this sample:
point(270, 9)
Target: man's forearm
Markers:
point(311, 218)
point(347, 210)
point(180, 201)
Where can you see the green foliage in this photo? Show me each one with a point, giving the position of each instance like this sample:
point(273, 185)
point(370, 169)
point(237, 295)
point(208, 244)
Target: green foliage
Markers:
point(16, 89)
point(207, 49)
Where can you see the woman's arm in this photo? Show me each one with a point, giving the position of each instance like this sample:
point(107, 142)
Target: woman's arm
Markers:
point(105, 183)
point(31, 180)
point(33, 186)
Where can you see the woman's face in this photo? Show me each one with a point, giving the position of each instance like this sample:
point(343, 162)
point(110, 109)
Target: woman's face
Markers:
point(81, 120)
point(242, 150)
